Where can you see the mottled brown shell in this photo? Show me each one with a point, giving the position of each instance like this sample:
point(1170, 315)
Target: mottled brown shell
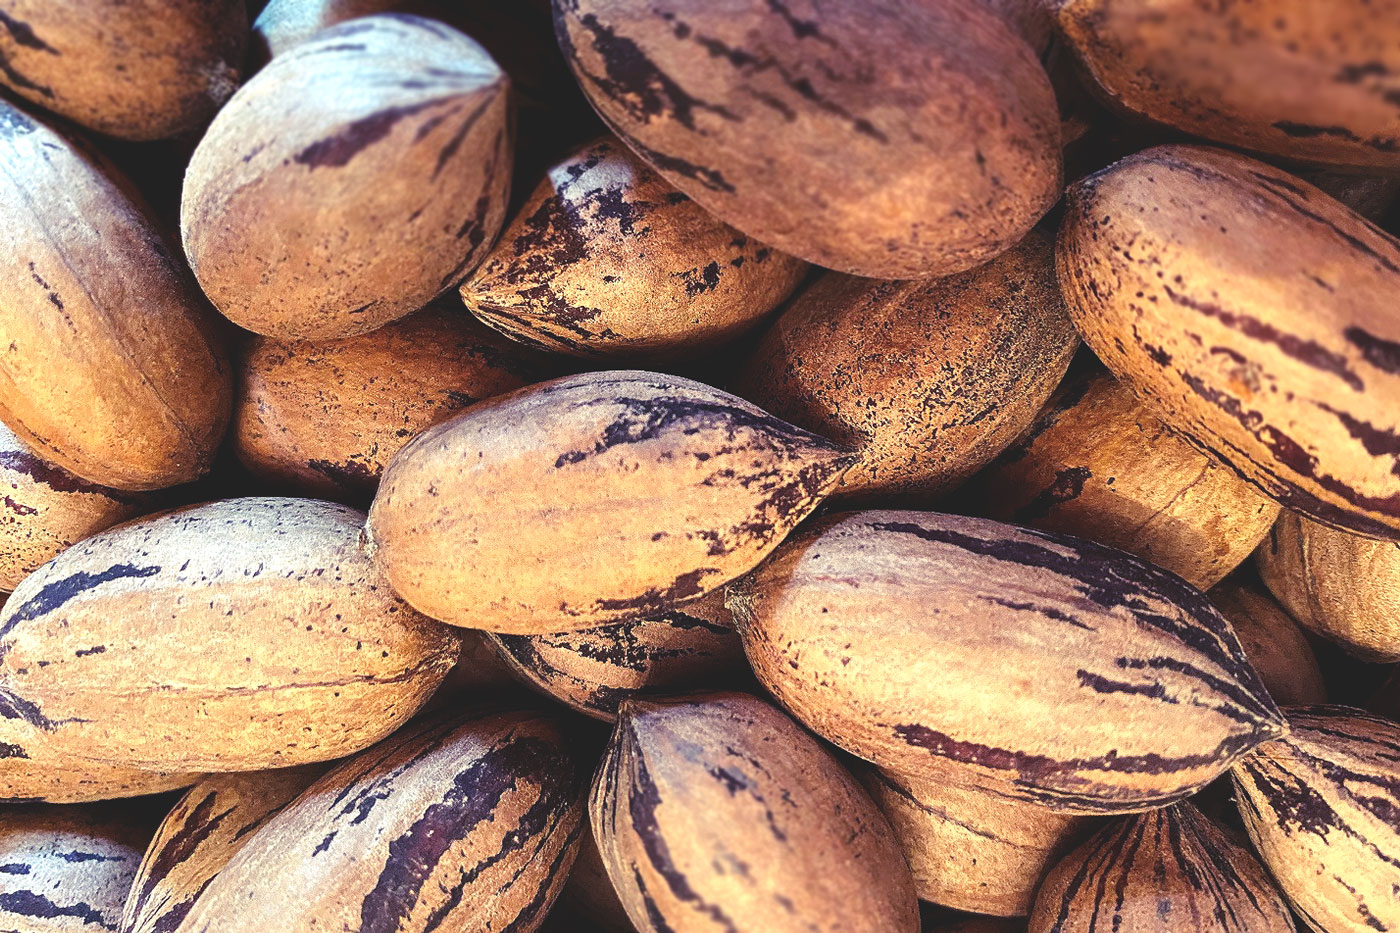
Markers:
point(1098, 464)
point(972, 849)
point(1371, 196)
point(927, 380)
point(135, 69)
point(44, 509)
point(28, 775)
point(106, 368)
point(718, 813)
point(1255, 315)
point(1040, 666)
point(254, 632)
point(324, 417)
point(1339, 585)
point(607, 259)
point(592, 499)
point(198, 838)
point(589, 893)
point(1273, 642)
point(1168, 871)
point(66, 869)
point(451, 826)
point(859, 136)
point(1320, 806)
point(594, 670)
point(350, 181)
point(1293, 78)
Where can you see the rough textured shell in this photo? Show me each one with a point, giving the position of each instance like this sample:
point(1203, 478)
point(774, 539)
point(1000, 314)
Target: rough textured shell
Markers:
point(352, 180)
point(718, 810)
point(1098, 464)
point(451, 826)
point(324, 417)
point(1273, 643)
point(1161, 872)
point(1342, 586)
point(1320, 807)
point(875, 628)
point(606, 258)
point(972, 849)
point(593, 670)
point(27, 775)
point(254, 631)
point(928, 380)
point(1287, 371)
point(1294, 78)
point(948, 150)
point(67, 869)
point(46, 509)
point(137, 69)
point(105, 367)
point(199, 836)
point(592, 499)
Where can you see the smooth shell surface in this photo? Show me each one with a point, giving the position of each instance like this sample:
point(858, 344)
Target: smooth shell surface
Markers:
point(858, 136)
point(135, 69)
point(106, 365)
point(254, 631)
point(972, 849)
point(1339, 585)
point(350, 181)
point(454, 825)
point(324, 417)
point(1320, 806)
point(607, 259)
point(1167, 871)
point(1292, 78)
point(927, 380)
point(1115, 687)
point(1274, 643)
point(198, 838)
point(1098, 464)
point(1287, 371)
point(592, 499)
point(718, 810)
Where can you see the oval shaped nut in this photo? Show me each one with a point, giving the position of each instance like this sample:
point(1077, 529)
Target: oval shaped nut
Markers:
point(1341, 586)
point(452, 825)
point(718, 812)
point(607, 259)
point(973, 849)
point(67, 869)
point(592, 499)
point(1116, 687)
point(254, 631)
point(144, 70)
point(949, 149)
point(28, 776)
point(594, 670)
point(1273, 642)
point(1320, 807)
point(1288, 373)
point(927, 380)
point(1098, 464)
point(107, 367)
point(199, 837)
point(287, 219)
point(1290, 78)
point(324, 417)
point(1160, 872)
point(44, 509)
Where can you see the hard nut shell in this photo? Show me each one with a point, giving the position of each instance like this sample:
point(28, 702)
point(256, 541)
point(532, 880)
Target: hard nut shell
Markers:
point(1272, 641)
point(927, 380)
point(27, 775)
point(592, 499)
point(1116, 686)
point(1288, 372)
point(254, 631)
point(718, 812)
point(948, 149)
point(351, 181)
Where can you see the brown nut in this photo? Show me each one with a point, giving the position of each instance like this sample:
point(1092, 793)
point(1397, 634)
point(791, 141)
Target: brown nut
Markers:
point(1273, 642)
